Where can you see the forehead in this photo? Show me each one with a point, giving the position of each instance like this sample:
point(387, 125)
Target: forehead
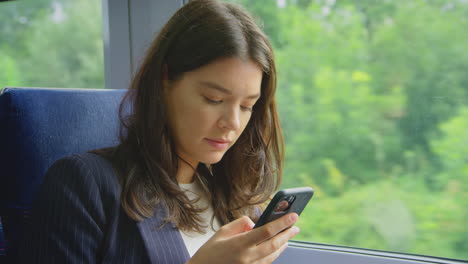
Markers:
point(239, 76)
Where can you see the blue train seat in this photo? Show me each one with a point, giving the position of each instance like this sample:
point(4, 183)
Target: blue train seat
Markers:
point(37, 127)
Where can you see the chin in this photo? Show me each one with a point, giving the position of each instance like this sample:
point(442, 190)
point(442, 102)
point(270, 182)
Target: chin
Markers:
point(212, 159)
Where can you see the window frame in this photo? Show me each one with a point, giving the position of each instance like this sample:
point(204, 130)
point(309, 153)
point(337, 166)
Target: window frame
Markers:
point(301, 252)
point(128, 28)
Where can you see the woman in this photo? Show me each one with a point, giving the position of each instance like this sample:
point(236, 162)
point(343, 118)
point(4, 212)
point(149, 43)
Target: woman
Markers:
point(200, 149)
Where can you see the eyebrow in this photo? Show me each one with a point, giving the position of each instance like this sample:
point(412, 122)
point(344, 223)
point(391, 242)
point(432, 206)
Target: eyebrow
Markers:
point(217, 87)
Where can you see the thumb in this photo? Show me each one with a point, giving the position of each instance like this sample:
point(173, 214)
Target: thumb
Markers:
point(236, 227)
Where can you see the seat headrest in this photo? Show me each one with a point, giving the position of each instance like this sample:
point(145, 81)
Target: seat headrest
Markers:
point(40, 125)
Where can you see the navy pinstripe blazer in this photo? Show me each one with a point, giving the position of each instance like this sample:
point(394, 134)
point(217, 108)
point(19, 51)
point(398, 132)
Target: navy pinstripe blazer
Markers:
point(77, 218)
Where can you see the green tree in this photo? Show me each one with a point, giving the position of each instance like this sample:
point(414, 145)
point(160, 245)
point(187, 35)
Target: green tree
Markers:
point(54, 44)
point(452, 150)
point(9, 73)
point(420, 48)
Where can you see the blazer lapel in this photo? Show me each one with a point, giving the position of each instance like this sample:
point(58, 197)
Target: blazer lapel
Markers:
point(163, 245)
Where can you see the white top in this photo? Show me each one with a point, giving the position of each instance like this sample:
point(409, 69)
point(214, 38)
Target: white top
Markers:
point(193, 240)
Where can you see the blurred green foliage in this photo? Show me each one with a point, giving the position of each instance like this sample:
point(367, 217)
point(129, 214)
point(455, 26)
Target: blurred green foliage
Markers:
point(48, 43)
point(372, 96)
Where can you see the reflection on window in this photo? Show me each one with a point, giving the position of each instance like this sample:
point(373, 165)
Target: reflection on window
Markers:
point(373, 97)
point(51, 43)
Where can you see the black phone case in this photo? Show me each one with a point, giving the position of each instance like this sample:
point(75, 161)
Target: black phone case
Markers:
point(302, 194)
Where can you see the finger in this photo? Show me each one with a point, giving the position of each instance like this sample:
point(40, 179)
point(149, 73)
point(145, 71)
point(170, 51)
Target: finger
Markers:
point(258, 235)
point(268, 247)
point(275, 244)
point(237, 226)
point(273, 256)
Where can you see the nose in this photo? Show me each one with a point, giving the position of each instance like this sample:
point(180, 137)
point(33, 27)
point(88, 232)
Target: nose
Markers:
point(230, 119)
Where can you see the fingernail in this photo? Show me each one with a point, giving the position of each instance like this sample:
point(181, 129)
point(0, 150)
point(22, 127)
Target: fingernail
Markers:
point(295, 229)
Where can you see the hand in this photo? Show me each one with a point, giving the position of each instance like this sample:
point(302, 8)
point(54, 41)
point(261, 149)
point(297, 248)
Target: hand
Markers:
point(237, 242)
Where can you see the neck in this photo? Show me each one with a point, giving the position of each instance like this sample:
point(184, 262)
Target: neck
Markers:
point(185, 173)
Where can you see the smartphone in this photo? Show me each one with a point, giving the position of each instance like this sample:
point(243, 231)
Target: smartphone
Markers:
point(286, 201)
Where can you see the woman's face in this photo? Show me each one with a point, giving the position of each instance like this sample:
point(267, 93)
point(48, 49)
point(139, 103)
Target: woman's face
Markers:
point(209, 107)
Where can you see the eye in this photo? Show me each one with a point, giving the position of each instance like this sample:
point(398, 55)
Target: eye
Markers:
point(247, 109)
point(211, 101)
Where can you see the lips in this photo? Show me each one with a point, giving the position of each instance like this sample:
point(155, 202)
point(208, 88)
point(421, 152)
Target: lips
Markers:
point(219, 144)
point(219, 140)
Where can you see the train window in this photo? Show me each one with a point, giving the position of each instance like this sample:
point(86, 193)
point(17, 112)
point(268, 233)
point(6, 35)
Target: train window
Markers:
point(51, 43)
point(373, 97)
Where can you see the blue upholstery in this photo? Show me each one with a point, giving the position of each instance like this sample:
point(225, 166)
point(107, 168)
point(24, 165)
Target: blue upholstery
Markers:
point(2, 241)
point(39, 126)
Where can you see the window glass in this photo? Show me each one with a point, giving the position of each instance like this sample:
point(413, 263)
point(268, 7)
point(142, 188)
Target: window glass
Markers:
point(373, 98)
point(51, 43)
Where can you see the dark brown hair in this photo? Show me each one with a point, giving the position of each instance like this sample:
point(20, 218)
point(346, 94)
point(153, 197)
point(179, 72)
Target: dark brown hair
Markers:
point(146, 161)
